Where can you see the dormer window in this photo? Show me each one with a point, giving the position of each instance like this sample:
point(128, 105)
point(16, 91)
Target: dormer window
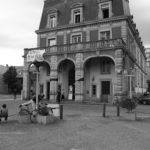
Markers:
point(52, 21)
point(105, 9)
point(77, 16)
point(52, 18)
point(77, 13)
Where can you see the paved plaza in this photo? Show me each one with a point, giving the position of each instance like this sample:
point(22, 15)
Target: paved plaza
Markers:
point(83, 128)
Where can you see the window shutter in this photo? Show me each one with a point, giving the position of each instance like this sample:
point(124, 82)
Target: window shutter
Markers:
point(60, 40)
point(42, 42)
point(83, 36)
point(68, 38)
point(94, 35)
point(116, 32)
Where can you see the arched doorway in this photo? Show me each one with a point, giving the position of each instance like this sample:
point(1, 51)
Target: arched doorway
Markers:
point(43, 78)
point(66, 79)
point(99, 76)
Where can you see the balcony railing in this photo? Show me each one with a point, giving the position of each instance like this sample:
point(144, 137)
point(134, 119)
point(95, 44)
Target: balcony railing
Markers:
point(84, 46)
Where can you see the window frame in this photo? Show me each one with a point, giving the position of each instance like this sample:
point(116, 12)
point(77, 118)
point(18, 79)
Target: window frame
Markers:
point(50, 23)
point(76, 12)
point(106, 67)
point(94, 93)
point(76, 34)
point(48, 43)
point(74, 8)
point(106, 30)
point(102, 7)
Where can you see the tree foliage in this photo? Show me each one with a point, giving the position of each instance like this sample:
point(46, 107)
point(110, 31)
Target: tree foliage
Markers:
point(10, 78)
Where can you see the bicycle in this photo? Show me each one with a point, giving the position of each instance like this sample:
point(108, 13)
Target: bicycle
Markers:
point(24, 110)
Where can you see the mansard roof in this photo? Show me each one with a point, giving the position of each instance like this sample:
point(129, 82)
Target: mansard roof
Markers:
point(63, 8)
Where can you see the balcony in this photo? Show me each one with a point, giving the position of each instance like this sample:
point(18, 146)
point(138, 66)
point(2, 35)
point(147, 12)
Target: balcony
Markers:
point(86, 46)
point(83, 47)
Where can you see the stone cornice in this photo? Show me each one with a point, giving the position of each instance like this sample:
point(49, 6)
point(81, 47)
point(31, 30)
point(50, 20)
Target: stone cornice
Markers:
point(82, 24)
point(135, 32)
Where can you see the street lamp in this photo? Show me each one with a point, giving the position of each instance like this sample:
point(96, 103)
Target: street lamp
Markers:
point(130, 81)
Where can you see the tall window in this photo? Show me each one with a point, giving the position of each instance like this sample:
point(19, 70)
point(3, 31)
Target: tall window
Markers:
point(51, 42)
point(76, 13)
point(105, 10)
point(94, 90)
point(106, 67)
point(105, 35)
point(77, 16)
point(76, 38)
point(52, 21)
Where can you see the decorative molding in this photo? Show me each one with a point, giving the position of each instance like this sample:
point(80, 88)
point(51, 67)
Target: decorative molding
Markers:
point(76, 5)
point(52, 11)
point(103, 1)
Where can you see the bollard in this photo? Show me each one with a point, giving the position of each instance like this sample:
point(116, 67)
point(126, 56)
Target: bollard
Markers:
point(61, 111)
point(118, 110)
point(104, 110)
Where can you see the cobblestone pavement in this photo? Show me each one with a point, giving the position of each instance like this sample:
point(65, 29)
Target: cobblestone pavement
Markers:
point(82, 128)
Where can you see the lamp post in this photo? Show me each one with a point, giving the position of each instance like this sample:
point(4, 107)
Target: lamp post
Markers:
point(130, 82)
point(37, 86)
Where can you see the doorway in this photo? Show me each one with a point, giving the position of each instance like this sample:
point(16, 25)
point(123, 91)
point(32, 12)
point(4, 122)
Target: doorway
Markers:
point(105, 91)
point(48, 90)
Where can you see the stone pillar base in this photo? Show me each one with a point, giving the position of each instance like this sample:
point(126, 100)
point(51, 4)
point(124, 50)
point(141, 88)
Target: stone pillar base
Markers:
point(78, 98)
point(53, 98)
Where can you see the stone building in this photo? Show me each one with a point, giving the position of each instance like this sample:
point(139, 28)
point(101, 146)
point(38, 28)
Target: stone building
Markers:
point(147, 52)
point(90, 50)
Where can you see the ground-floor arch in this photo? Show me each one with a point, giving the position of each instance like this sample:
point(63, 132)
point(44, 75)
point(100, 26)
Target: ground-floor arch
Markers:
point(43, 69)
point(99, 78)
point(66, 79)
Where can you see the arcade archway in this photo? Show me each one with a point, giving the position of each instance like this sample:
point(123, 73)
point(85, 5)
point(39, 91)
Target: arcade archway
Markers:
point(43, 78)
point(99, 76)
point(66, 79)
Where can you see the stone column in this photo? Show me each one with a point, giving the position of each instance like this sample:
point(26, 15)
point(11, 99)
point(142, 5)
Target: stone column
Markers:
point(79, 77)
point(53, 85)
point(119, 86)
point(53, 78)
point(26, 89)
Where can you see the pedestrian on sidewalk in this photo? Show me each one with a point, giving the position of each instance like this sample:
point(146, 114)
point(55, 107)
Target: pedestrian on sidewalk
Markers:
point(4, 112)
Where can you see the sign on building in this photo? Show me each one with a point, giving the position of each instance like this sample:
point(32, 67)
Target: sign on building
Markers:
point(35, 55)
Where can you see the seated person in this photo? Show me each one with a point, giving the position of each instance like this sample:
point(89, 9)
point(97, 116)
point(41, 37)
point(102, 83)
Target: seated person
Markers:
point(31, 102)
point(4, 112)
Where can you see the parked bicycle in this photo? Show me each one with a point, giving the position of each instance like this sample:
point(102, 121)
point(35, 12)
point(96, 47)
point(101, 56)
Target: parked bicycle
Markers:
point(41, 110)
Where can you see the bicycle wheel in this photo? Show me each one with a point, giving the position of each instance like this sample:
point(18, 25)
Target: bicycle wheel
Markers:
point(24, 111)
point(33, 117)
point(24, 115)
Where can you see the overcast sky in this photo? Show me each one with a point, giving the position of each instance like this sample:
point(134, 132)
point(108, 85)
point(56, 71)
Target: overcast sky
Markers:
point(20, 18)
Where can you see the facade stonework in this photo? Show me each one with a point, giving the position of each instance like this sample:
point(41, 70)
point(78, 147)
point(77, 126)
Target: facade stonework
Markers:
point(91, 48)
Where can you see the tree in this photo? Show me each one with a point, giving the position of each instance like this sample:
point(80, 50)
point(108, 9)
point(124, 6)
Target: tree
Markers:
point(10, 78)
